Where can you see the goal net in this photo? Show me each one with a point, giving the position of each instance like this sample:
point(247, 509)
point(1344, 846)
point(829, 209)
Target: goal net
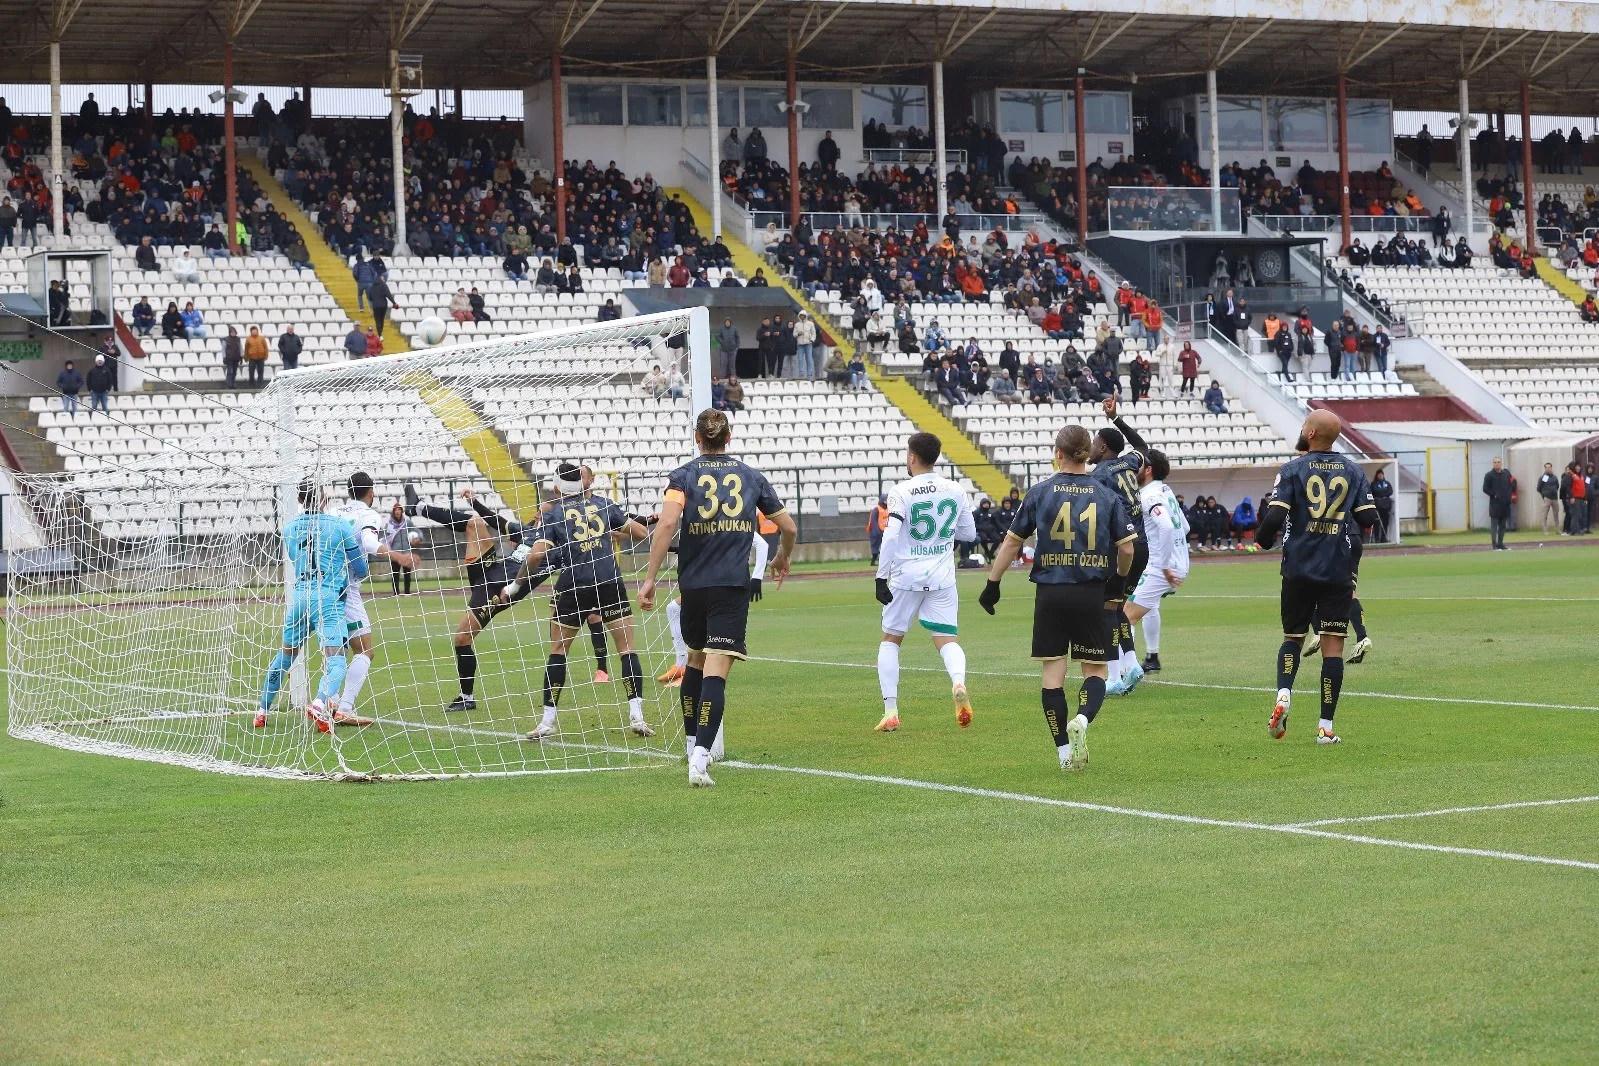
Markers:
point(149, 606)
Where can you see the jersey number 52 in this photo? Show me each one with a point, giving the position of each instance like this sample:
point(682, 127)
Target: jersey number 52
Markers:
point(924, 524)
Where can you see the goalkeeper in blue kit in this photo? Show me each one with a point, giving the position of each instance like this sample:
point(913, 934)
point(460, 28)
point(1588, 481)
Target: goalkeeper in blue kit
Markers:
point(326, 554)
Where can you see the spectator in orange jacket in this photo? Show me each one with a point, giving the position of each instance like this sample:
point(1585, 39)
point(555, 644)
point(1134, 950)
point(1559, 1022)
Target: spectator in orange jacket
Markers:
point(876, 523)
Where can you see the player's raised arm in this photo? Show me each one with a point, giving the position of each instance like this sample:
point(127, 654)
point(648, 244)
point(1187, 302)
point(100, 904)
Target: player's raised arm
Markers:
point(1128, 432)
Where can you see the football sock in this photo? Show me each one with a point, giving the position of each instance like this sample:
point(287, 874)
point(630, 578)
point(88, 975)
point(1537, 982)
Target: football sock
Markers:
point(354, 678)
point(554, 681)
point(674, 622)
point(1126, 632)
point(332, 677)
point(274, 678)
point(1332, 681)
point(713, 693)
point(1054, 701)
point(1287, 663)
point(1113, 627)
point(597, 635)
point(1091, 697)
point(688, 697)
point(1357, 619)
point(888, 674)
point(954, 662)
point(632, 675)
point(1152, 632)
point(466, 666)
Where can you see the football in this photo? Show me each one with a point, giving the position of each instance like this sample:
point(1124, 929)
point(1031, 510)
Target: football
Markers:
point(431, 330)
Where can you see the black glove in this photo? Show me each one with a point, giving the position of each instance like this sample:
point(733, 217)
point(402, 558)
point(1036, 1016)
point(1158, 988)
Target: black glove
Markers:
point(755, 589)
point(989, 596)
point(885, 595)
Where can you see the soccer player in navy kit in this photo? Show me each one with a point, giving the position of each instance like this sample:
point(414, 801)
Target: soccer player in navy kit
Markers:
point(715, 497)
point(1085, 536)
point(1121, 472)
point(1317, 503)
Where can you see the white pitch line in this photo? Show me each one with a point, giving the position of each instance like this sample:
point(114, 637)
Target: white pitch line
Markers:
point(1443, 811)
point(1196, 684)
point(1165, 816)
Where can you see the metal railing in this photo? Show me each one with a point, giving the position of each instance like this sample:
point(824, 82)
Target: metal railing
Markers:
point(904, 221)
point(1180, 210)
point(1357, 223)
point(696, 166)
point(913, 156)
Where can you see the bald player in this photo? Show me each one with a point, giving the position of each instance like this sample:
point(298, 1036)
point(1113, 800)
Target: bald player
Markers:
point(1317, 503)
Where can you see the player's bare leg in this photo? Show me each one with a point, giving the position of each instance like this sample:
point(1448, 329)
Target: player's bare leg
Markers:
point(888, 680)
point(1287, 669)
point(554, 679)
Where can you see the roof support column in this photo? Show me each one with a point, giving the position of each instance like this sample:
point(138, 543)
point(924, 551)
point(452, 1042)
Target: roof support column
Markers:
point(713, 126)
point(939, 138)
point(397, 150)
point(1463, 154)
point(58, 184)
point(1526, 167)
point(1343, 158)
point(1079, 110)
point(230, 156)
point(1215, 152)
point(460, 101)
point(793, 143)
point(149, 106)
point(558, 139)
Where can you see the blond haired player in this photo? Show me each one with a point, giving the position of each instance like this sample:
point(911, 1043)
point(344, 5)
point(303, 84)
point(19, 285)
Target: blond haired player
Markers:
point(927, 515)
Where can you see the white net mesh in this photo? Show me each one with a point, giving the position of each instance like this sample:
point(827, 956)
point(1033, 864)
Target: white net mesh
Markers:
point(145, 620)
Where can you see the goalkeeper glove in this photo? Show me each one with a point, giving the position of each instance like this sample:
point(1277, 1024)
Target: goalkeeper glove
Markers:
point(885, 595)
point(755, 589)
point(989, 596)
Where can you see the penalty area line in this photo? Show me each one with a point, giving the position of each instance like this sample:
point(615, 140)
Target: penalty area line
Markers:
point(1480, 809)
point(1195, 684)
point(1165, 816)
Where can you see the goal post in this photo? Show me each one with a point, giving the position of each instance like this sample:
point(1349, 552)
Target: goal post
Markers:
point(144, 621)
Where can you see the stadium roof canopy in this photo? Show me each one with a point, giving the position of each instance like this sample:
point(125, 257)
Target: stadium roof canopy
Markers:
point(1413, 51)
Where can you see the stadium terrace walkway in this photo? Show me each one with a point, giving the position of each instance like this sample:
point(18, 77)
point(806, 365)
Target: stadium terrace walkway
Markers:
point(958, 448)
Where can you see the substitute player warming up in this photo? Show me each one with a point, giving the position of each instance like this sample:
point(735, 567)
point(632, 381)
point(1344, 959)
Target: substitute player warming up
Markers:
point(1085, 540)
point(1316, 503)
point(927, 515)
point(715, 497)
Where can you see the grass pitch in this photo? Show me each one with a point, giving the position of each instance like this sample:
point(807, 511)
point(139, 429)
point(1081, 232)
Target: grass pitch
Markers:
point(149, 913)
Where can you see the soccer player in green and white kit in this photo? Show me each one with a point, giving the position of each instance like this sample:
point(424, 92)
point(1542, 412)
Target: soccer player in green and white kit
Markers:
point(927, 515)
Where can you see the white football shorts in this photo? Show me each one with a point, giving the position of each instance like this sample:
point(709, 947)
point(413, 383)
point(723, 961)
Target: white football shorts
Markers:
point(1151, 589)
point(356, 623)
point(936, 609)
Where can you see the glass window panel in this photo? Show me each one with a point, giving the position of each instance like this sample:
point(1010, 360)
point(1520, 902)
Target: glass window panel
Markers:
point(592, 103)
point(760, 107)
point(831, 109)
point(1105, 112)
point(1371, 127)
point(1297, 124)
point(654, 105)
point(726, 106)
point(1032, 111)
point(894, 106)
point(1239, 119)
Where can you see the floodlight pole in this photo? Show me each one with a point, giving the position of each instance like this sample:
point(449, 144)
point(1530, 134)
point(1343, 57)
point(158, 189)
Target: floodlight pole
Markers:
point(713, 120)
point(1463, 135)
point(1526, 167)
point(149, 106)
point(939, 147)
point(793, 143)
point(397, 149)
point(1215, 153)
point(558, 143)
point(230, 156)
point(1078, 113)
point(58, 183)
point(1343, 159)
